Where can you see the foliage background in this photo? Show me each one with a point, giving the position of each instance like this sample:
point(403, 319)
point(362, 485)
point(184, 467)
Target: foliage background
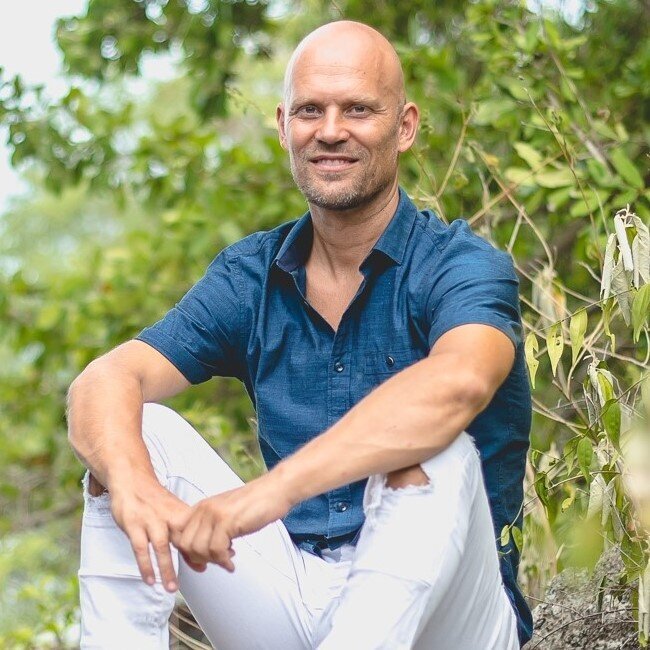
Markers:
point(535, 129)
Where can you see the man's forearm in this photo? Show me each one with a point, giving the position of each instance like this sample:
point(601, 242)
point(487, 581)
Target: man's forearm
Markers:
point(105, 424)
point(404, 421)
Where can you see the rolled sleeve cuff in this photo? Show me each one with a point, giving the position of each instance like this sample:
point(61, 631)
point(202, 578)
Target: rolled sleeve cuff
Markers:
point(512, 331)
point(193, 370)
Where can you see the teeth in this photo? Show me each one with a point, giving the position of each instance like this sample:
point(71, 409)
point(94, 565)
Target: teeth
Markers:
point(336, 162)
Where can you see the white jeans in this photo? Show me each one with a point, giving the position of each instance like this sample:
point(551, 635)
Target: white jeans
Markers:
point(424, 574)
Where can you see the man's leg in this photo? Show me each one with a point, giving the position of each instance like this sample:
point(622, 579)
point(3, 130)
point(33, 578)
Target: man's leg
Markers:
point(425, 573)
point(261, 605)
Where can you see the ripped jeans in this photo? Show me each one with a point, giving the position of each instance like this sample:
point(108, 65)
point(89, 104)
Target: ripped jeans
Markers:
point(424, 573)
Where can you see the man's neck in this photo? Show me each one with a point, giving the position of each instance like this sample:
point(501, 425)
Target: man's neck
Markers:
point(343, 238)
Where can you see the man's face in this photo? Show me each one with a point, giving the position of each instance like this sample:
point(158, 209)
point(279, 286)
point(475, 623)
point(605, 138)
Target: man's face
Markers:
point(340, 125)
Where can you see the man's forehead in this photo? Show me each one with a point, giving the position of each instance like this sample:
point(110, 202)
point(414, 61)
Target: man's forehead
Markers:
point(345, 52)
point(335, 77)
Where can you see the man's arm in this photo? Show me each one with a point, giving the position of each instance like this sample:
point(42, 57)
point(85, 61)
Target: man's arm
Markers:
point(105, 410)
point(407, 419)
point(105, 430)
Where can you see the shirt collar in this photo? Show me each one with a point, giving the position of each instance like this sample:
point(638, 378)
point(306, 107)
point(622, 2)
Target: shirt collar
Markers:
point(394, 239)
point(392, 242)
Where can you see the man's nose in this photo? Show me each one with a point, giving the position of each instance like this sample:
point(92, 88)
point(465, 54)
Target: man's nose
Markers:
point(332, 128)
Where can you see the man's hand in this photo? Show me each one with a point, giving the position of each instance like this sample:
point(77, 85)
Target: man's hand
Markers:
point(147, 513)
point(207, 532)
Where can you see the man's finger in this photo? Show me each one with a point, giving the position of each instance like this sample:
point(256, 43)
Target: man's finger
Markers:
point(160, 543)
point(199, 550)
point(187, 534)
point(196, 538)
point(200, 567)
point(220, 549)
point(140, 546)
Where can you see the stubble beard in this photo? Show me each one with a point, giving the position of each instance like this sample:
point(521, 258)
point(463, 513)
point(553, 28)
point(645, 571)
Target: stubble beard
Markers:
point(344, 194)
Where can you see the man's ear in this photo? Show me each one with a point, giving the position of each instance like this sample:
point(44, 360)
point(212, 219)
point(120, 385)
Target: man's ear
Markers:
point(279, 118)
point(408, 126)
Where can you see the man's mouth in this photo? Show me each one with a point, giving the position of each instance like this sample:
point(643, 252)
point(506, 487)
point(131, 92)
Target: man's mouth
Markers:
point(333, 163)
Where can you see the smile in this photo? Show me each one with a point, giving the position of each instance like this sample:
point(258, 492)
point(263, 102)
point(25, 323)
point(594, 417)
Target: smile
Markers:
point(333, 164)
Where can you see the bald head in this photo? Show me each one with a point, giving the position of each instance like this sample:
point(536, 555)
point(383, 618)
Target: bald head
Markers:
point(343, 119)
point(347, 45)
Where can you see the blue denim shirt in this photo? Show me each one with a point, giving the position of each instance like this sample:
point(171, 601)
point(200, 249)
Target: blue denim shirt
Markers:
point(248, 318)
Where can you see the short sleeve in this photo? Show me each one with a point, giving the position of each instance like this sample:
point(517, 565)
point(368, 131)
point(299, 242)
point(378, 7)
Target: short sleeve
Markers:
point(201, 335)
point(476, 286)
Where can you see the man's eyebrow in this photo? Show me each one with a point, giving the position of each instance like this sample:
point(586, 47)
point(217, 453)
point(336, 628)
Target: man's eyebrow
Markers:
point(351, 101)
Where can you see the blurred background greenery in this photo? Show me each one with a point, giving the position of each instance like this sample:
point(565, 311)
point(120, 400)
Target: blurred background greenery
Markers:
point(535, 129)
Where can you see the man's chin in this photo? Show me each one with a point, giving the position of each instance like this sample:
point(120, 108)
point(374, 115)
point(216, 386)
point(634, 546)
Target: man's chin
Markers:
point(340, 203)
point(334, 196)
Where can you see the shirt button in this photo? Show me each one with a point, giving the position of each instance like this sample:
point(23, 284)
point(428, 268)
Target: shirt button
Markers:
point(341, 506)
point(338, 366)
point(390, 362)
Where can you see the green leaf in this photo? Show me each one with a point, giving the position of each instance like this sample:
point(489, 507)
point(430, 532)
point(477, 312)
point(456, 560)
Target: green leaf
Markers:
point(605, 386)
point(519, 176)
point(518, 538)
point(566, 503)
point(559, 178)
point(555, 345)
point(505, 535)
point(557, 198)
point(604, 130)
point(585, 454)
point(632, 555)
point(516, 87)
point(626, 168)
point(569, 453)
point(611, 418)
point(528, 154)
point(541, 488)
point(590, 202)
point(490, 111)
point(577, 329)
point(640, 310)
point(598, 172)
point(531, 347)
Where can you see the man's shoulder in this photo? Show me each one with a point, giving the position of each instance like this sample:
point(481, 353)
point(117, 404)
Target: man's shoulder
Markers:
point(456, 242)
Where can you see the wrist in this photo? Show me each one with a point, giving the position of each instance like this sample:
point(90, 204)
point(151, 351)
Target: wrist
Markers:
point(285, 484)
point(126, 478)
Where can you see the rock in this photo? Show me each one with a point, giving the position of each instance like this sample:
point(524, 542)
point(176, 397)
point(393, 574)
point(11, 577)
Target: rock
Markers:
point(573, 614)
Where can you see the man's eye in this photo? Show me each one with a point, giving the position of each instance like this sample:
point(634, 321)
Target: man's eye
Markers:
point(359, 109)
point(308, 110)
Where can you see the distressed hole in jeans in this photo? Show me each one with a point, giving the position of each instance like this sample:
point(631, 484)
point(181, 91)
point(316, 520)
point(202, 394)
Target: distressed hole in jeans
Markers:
point(409, 480)
point(408, 489)
point(95, 488)
point(99, 503)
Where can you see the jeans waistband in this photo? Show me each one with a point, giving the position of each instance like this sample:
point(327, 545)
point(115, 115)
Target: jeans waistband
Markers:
point(315, 543)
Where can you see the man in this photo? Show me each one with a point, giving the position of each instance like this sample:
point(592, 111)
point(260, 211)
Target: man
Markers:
point(373, 340)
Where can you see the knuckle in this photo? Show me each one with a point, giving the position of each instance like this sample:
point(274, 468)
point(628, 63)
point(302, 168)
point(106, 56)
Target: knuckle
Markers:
point(140, 548)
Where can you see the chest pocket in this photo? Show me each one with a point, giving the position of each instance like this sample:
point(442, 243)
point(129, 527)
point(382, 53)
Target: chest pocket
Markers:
point(378, 366)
